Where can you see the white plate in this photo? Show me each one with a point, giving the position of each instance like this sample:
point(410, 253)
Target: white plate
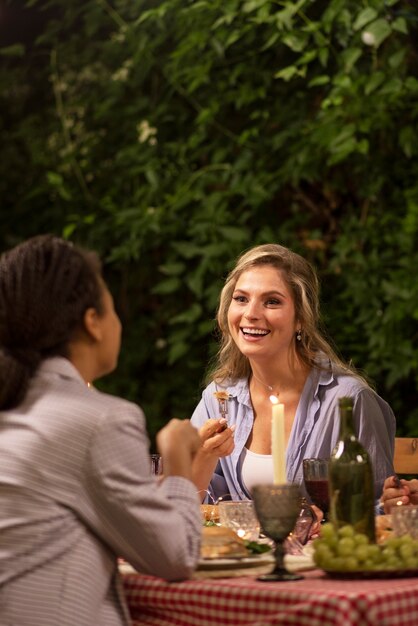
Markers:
point(236, 563)
point(298, 563)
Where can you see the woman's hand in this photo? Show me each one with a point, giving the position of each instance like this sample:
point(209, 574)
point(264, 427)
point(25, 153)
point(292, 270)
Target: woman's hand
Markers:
point(396, 495)
point(217, 438)
point(178, 443)
point(315, 529)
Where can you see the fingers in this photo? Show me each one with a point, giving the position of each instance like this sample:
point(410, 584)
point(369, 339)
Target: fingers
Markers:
point(411, 485)
point(180, 435)
point(211, 427)
point(319, 514)
point(395, 493)
point(220, 443)
point(178, 443)
point(393, 502)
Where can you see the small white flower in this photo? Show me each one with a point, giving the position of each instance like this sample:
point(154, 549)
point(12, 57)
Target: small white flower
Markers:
point(146, 132)
point(368, 38)
point(121, 75)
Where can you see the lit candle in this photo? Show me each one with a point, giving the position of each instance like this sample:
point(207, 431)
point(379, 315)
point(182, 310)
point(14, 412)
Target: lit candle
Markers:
point(278, 448)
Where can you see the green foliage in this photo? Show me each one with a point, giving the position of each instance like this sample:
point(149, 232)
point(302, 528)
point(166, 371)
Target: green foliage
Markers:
point(170, 135)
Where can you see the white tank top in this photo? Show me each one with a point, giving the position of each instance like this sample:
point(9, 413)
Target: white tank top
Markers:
point(256, 469)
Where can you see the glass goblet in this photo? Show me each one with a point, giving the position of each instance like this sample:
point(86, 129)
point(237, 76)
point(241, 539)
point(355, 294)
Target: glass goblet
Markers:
point(315, 475)
point(156, 464)
point(277, 507)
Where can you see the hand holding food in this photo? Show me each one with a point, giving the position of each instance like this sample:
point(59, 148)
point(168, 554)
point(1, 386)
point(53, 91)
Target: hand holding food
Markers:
point(216, 441)
point(217, 437)
point(396, 492)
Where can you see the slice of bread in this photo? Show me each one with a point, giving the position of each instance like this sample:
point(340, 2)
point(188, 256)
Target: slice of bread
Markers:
point(220, 542)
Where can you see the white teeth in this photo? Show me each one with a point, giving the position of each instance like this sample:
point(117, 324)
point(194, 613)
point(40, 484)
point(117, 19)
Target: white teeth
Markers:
point(254, 331)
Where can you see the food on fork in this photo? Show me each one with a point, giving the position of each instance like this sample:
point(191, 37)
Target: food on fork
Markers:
point(220, 542)
point(210, 513)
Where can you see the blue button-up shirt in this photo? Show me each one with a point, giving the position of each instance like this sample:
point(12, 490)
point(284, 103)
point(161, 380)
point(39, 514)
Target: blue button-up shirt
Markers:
point(315, 428)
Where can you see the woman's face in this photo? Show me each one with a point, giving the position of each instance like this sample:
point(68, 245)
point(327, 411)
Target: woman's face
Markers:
point(111, 330)
point(261, 316)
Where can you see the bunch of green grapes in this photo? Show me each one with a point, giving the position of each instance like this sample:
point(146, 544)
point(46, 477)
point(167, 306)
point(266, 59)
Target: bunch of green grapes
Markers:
point(345, 550)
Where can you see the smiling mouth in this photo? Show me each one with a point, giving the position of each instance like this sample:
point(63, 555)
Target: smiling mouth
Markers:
point(254, 332)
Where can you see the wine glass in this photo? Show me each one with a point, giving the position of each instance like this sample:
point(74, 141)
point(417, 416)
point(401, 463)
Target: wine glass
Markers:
point(156, 464)
point(241, 517)
point(299, 536)
point(277, 507)
point(315, 475)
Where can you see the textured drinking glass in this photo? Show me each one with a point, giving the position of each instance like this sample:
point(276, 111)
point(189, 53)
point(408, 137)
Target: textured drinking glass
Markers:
point(240, 517)
point(405, 520)
point(156, 464)
point(277, 508)
point(315, 475)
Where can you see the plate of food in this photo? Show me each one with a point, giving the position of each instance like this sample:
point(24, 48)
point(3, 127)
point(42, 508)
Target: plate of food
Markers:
point(221, 546)
point(255, 560)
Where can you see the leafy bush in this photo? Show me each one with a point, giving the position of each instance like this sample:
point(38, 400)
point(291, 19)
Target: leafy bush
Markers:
point(171, 135)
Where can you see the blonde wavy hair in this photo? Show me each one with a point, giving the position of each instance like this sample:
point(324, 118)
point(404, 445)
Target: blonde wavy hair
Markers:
point(303, 284)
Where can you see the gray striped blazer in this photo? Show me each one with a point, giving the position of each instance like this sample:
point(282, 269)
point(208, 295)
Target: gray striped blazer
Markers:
point(75, 493)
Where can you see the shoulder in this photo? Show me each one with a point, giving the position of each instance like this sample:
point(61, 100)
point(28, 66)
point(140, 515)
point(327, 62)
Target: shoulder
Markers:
point(333, 383)
point(114, 405)
point(58, 391)
point(113, 418)
point(341, 383)
point(350, 385)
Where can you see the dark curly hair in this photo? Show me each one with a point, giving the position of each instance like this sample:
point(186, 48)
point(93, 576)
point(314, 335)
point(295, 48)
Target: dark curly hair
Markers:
point(46, 285)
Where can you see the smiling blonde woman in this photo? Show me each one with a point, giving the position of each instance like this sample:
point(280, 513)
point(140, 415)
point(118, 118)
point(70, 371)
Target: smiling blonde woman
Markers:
point(271, 345)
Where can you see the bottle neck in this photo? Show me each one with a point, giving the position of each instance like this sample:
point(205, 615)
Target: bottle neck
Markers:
point(346, 422)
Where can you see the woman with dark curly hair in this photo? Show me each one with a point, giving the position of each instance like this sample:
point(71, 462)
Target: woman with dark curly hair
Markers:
point(271, 345)
point(76, 490)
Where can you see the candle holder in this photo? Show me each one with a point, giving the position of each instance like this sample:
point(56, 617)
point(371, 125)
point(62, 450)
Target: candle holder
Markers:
point(277, 507)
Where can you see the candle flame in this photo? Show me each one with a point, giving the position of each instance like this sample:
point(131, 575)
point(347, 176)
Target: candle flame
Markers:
point(274, 399)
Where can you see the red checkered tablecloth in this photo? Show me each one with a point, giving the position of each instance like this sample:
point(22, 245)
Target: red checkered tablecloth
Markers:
point(314, 601)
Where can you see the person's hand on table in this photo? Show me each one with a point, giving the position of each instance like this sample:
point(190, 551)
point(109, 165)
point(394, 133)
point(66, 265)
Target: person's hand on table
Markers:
point(394, 495)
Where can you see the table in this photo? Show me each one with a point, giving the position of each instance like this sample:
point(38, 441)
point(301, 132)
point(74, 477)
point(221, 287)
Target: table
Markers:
point(314, 601)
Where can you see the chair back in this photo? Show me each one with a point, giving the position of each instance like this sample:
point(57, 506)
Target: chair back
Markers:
point(405, 459)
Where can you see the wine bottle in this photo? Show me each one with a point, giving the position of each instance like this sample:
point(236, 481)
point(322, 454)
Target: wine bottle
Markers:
point(351, 482)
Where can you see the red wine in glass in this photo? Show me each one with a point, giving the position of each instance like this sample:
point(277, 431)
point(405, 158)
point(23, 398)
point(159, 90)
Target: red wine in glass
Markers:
point(315, 474)
point(318, 492)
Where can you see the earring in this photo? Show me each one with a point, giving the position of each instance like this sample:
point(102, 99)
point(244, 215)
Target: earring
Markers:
point(299, 335)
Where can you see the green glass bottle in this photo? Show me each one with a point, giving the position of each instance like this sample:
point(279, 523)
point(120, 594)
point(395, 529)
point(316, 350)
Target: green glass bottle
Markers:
point(351, 483)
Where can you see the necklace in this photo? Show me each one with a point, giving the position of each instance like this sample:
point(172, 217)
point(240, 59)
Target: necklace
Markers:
point(274, 395)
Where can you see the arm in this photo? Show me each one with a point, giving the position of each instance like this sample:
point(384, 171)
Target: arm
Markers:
point(217, 441)
point(156, 528)
point(375, 424)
